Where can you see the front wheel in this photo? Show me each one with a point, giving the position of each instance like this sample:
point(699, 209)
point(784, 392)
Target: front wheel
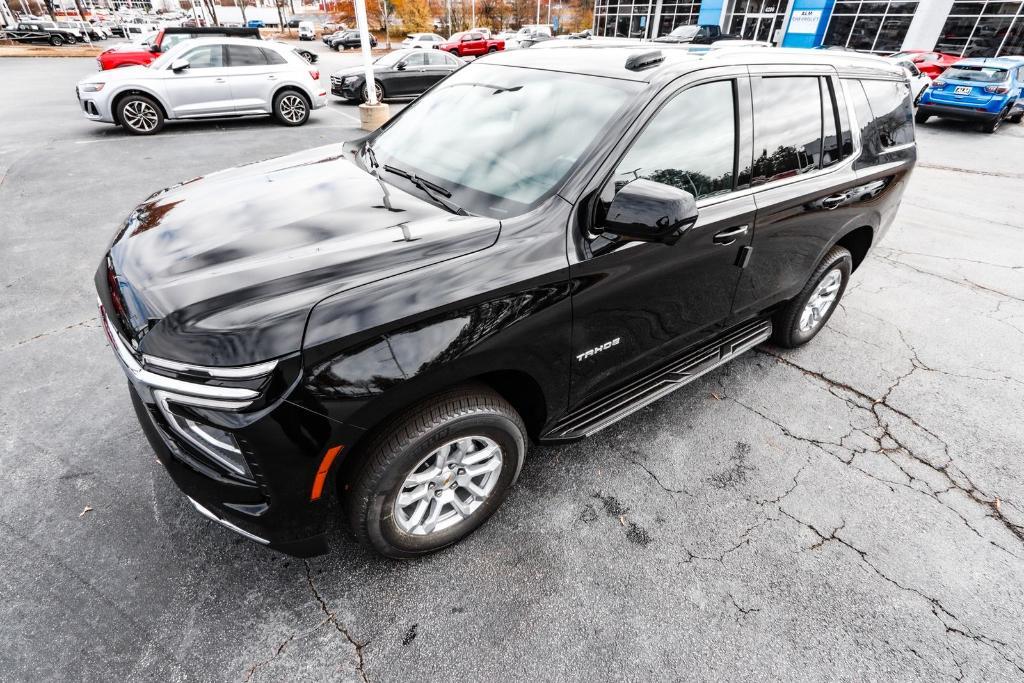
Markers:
point(72, 40)
point(140, 115)
point(378, 90)
point(437, 473)
point(56, 41)
point(492, 48)
point(804, 316)
point(291, 108)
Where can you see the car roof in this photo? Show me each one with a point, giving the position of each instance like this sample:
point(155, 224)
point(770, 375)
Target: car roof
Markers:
point(999, 62)
point(231, 40)
point(609, 60)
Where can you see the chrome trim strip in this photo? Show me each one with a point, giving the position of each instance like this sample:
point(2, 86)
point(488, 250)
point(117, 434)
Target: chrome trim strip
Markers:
point(162, 398)
point(225, 523)
point(242, 397)
point(239, 372)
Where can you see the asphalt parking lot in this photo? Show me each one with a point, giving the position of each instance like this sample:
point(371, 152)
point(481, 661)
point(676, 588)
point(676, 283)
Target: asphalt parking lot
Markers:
point(853, 510)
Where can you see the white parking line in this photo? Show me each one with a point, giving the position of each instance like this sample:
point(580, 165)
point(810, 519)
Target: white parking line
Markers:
point(345, 114)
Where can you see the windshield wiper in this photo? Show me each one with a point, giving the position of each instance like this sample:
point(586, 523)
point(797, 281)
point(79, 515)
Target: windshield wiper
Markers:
point(376, 174)
point(437, 193)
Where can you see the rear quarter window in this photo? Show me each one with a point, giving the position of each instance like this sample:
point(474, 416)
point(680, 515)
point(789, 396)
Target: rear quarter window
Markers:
point(893, 111)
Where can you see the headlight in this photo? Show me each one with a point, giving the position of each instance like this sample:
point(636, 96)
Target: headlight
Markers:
point(92, 87)
point(212, 441)
point(349, 79)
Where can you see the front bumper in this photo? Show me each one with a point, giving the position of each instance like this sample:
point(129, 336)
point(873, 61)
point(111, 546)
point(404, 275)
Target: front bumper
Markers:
point(350, 90)
point(979, 114)
point(283, 501)
point(94, 106)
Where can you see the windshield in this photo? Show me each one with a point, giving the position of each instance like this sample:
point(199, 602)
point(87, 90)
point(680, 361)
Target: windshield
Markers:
point(167, 57)
point(501, 138)
point(975, 74)
point(684, 32)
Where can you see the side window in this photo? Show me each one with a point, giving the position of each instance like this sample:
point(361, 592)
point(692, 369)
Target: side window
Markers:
point(205, 57)
point(787, 127)
point(476, 36)
point(690, 144)
point(831, 152)
point(272, 57)
point(245, 55)
point(435, 58)
point(892, 108)
point(172, 39)
point(865, 120)
point(418, 58)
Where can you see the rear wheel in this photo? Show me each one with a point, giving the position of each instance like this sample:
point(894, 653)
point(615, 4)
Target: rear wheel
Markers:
point(921, 117)
point(439, 471)
point(56, 41)
point(291, 108)
point(993, 125)
point(804, 316)
point(71, 40)
point(1016, 118)
point(140, 115)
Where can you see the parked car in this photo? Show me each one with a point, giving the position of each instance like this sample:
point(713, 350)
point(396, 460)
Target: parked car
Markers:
point(402, 73)
point(133, 54)
point(378, 332)
point(327, 37)
point(422, 40)
point(255, 23)
point(204, 78)
point(347, 39)
point(469, 44)
point(83, 29)
point(919, 82)
point(929, 62)
point(532, 40)
point(983, 90)
point(306, 30)
point(702, 34)
point(42, 32)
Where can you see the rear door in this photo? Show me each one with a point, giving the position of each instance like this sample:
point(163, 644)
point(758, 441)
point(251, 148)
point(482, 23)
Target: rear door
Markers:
point(251, 77)
point(202, 89)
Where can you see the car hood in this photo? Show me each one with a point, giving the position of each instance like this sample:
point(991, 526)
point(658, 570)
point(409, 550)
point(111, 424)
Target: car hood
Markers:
point(356, 71)
point(124, 73)
point(126, 47)
point(223, 270)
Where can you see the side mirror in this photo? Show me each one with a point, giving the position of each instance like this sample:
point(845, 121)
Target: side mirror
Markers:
point(646, 211)
point(400, 66)
point(154, 49)
point(179, 65)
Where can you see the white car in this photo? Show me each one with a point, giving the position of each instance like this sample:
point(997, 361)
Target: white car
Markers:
point(422, 40)
point(206, 78)
point(307, 31)
point(919, 82)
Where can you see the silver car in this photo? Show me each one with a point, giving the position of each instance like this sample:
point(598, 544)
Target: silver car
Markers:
point(205, 78)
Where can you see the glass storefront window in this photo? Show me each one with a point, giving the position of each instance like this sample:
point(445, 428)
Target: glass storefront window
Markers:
point(756, 19)
point(870, 26)
point(982, 29)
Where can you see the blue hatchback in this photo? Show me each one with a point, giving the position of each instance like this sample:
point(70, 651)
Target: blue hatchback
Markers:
point(982, 90)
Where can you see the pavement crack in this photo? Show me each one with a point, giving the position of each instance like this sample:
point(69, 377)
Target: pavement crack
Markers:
point(277, 653)
point(743, 611)
point(50, 333)
point(332, 619)
point(654, 476)
point(962, 281)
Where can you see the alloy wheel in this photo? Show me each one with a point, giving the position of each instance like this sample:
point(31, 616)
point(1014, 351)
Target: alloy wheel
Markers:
point(448, 485)
point(140, 116)
point(379, 91)
point(293, 108)
point(821, 302)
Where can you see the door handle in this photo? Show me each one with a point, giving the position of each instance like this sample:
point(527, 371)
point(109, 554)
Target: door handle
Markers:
point(271, 78)
point(731, 235)
point(219, 80)
point(833, 202)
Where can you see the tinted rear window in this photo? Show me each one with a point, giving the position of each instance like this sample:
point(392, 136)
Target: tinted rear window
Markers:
point(976, 74)
point(245, 55)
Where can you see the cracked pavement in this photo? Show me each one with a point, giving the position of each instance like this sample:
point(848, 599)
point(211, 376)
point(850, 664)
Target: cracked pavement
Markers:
point(850, 510)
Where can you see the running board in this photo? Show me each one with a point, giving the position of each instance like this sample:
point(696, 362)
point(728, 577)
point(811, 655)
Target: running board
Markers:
point(612, 407)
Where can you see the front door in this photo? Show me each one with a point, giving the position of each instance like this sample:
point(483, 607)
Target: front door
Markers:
point(639, 304)
point(202, 88)
point(411, 79)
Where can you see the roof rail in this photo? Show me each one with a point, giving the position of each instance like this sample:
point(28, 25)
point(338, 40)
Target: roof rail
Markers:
point(644, 60)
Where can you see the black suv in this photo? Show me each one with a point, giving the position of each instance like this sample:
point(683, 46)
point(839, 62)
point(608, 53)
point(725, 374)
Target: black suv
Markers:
point(41, 32)
point(545, 242)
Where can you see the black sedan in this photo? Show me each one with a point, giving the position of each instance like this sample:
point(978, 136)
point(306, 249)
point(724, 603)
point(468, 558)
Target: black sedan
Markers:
point(402, 73)
point(342, 40)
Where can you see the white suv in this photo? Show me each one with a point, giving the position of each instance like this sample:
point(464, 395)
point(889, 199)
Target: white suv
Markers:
point(206, 78)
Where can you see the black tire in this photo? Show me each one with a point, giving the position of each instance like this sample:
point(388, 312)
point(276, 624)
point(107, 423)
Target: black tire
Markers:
point(71, 40)
point(393, 455)
point(56, 41)
point(291, 108)
point(140, 115)
point(492, 48)
point(787, 331)
point(993, 125)
point(381, 94)
point(1016, 118)
point(921, 117)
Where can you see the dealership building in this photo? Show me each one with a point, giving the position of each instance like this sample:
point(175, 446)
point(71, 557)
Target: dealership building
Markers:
point(985, 28)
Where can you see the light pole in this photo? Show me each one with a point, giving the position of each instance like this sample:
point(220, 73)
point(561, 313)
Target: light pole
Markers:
point(372, 114)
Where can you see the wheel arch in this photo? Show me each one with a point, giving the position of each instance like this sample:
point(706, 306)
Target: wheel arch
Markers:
point(115, 101)
point(295, 87)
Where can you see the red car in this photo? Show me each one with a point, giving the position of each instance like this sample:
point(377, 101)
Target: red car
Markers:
point(929, 62)
point(133, 54)
point(470, 44)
